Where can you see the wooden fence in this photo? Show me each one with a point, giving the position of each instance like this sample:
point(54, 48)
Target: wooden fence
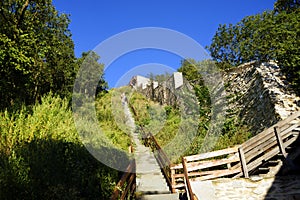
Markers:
point(237, 161)
point(125, 188)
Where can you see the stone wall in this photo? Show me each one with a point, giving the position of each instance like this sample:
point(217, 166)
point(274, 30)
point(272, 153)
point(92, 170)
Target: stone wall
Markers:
point(171, 92)
point(259, 94)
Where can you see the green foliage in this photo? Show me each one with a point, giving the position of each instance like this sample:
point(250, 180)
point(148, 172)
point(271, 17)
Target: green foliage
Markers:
point(190, 70)
point(159, 77)
point(233, 133)
point(162, 121)
point(36, 51)
point(174, 128)
point(140, 104)
point(112, 119)
point(286, 5)
point(42, 157)
point(91, 70)
point(272, 35)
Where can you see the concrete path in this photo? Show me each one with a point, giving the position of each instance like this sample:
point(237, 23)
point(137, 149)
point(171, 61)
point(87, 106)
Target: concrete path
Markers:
point(151, 183)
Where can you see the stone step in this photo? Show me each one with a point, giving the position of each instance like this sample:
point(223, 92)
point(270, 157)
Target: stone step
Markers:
point(149, 178)
point(174, 196)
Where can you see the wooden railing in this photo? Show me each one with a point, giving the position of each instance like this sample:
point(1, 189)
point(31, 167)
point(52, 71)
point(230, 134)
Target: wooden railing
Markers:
point(269, 143)
point(125, 188)
point(161, 157)
point(128, 181)
point(192, 196)
point(205, 166)
point(237, 161)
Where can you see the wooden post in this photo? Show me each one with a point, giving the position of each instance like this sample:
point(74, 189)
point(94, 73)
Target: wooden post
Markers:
point(173, 182)
point(243, 162)
point(279, 141)
point(186, 176)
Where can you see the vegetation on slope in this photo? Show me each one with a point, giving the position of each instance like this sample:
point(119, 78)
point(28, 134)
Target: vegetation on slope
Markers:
point(166, 122)
point(42, 156)
point(112, 120)
point(162, 121)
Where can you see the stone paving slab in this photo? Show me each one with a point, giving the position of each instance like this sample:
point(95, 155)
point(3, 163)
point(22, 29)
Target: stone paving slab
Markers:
point(161, 197)
point(255, 188)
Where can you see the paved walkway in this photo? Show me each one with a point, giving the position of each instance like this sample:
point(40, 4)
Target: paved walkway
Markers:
point(254, 188)
point(151, 183)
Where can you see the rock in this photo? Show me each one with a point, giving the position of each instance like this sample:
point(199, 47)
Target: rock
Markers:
point(260, 95)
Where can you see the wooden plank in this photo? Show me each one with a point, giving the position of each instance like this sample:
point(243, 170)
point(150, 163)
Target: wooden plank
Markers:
point(213, 172)
point(285, 133)
point(211, 154)
point(210, 163)
point(216, 174)
point(178, 176)
point(176, 166)
point(243, 162)
point(236, 166)
point(261, 148)
point(130, 183)
point(279, 141)
point(173, 182)
point(187, 179)
point(203, 173)
point(288, 119)
point(124, 178)
point(260, 138)
point(249, 143)
point(266, 156)
point(265, 146)
point(269, 155)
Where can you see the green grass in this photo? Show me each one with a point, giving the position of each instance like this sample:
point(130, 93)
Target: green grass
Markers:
point(168, 127)
point(112, 119)
point(42, 155)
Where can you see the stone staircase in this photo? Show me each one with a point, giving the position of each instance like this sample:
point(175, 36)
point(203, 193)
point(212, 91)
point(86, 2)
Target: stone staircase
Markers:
point(151, 184)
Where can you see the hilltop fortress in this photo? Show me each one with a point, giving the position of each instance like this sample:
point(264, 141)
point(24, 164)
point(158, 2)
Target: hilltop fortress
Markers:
point(257, 93)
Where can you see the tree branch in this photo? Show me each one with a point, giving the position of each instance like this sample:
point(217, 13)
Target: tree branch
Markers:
point(22, 12)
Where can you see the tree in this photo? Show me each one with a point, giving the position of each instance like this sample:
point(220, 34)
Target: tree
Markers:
point(91, 70)
point(36, 51)
point(272, 35)
point(286, 5)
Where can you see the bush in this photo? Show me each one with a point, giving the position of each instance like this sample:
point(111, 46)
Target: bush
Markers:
point(42, 157)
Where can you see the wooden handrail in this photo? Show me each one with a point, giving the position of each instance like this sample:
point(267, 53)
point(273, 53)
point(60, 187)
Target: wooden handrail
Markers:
point(186, 176)
point(128, 177)
point(241, 159)
point(160, 155)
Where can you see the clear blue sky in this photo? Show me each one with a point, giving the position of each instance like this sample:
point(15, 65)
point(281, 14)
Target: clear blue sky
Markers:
point(93, 21)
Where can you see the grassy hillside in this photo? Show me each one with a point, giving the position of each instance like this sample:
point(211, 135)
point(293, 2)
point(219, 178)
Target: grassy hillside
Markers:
point(175, 132)
point(112, 120)
point(42, 156)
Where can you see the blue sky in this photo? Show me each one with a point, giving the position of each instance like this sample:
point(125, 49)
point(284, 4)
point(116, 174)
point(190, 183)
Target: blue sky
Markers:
point(94, 21)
